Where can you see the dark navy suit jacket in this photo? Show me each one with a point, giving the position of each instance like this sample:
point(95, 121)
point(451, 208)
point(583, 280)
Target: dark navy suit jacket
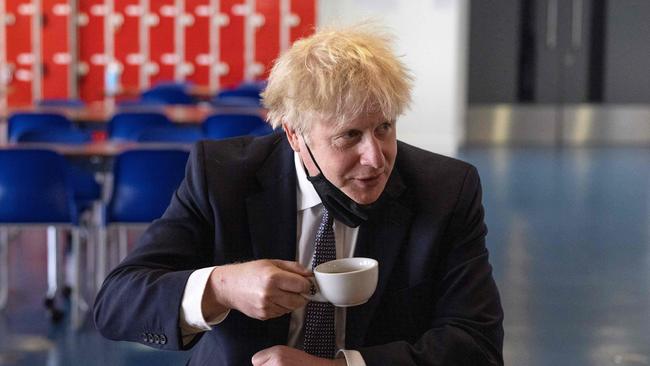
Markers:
point(436, 302)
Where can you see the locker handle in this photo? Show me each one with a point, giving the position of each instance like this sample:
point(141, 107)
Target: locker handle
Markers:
point(551, 23)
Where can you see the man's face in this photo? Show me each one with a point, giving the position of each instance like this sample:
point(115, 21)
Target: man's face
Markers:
point(357, 156)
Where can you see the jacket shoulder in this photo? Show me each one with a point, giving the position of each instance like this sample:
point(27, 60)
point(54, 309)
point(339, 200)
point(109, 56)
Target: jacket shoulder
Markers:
point(419, 164)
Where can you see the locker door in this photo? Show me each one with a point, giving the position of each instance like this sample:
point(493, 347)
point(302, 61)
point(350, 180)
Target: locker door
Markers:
point(20, 57)
point(91, 50)
point(231, 42)
point(161, 38)
point(127, 45)
point(303, 25)
point(56, 49)
point(266, 21)
point(198, 57)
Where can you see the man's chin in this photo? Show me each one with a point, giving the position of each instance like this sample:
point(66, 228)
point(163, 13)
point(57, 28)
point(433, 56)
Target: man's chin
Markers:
point(365, 198)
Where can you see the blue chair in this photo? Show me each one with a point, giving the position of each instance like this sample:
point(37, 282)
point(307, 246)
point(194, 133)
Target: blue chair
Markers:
point(257, 85)
point(35, 189)
point(220, 126)
point(19, 123)
point(236, 101)
point(67, 103)
point(58, 135)
point(86, 189)
point(143, 184)
point(179, 134)
point(168, 94)
point(128, 125)
point(242, 96)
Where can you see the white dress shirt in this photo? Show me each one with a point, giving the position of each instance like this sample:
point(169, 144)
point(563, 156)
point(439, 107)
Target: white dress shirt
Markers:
point(309, 214)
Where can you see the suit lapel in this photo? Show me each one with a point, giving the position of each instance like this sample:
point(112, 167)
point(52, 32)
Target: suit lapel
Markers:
point(272, 221)
point(380, 238)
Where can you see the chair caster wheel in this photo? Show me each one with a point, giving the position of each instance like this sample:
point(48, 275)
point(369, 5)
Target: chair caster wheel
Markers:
point(48, 303)
point(55, 315)
point(67, 290)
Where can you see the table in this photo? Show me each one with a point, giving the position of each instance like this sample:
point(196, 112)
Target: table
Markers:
point(100, 112)
point(95, 149)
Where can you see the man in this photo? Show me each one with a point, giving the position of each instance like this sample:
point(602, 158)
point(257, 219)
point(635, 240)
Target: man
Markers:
point(225, 269)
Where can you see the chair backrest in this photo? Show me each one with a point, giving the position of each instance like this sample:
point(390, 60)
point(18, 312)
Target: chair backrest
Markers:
point(20, 123)
point(221, 126)
point(236, 101)
point(168, 94)
point(35, 187)
point(68, 136)
point(245, 92)
point(143, 184)
point(68, 103)
point(171, 134)
point(128, 125)
point(257, 85)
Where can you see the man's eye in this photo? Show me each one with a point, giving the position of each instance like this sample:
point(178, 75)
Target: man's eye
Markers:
point(350, 134)
point(385, 127)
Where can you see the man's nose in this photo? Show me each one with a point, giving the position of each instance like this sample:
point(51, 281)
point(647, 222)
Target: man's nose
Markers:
point(372, 154)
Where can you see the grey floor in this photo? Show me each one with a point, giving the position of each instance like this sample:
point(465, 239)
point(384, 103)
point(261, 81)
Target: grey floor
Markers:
point(569, 240)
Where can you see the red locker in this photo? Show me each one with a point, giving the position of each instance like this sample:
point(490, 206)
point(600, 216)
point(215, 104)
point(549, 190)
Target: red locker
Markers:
point(306, 22)
point(92, 60)
point(161, 38)
point(198, 56)
point(267, 41)
point(19, 51)
point(55, 46)
point(231, 41)
point(127, 44)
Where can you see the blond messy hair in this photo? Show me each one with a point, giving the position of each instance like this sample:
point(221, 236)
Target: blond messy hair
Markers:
point(337, 75)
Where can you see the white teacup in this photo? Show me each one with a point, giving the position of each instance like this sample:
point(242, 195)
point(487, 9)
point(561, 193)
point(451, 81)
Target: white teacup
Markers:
point(345, 282)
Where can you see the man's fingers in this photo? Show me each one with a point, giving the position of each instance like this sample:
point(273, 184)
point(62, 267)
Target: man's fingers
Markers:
point(261, 357)
point(287, 279)
point(290, 266)
point(292, 283)
point(291, 302)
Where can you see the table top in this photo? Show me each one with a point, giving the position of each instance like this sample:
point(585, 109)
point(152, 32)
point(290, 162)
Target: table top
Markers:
point(102, 112)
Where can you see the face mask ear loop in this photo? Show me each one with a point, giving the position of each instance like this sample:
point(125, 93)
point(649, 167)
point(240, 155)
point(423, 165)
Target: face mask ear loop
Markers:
point(311, 155)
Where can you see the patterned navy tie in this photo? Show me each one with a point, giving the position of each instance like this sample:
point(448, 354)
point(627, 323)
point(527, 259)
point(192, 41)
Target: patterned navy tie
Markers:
point(319, 316)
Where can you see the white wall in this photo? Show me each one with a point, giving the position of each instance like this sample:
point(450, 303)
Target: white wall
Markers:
point(432, 36)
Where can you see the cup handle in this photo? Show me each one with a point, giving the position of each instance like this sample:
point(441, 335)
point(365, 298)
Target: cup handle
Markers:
point(315, 294)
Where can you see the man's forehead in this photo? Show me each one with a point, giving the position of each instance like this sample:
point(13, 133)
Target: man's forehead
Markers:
point(333, 126)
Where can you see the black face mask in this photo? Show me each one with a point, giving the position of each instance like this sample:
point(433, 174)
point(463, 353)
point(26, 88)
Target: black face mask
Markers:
point(337, 203)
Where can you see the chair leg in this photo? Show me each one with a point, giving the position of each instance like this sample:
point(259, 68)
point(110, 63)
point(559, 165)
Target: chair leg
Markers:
point(4, 267)
point(52, 274)
point(102, 256)
point(123, 240)
point(78, 306)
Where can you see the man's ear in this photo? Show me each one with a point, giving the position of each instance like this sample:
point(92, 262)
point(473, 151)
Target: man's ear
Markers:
point(292, 137)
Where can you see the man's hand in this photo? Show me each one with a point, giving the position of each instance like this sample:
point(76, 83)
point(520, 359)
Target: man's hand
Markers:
point(261, 289)
point(287, 356)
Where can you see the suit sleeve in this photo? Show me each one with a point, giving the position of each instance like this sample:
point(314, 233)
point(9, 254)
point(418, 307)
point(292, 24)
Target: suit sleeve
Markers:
point(140, 300)
point(467, 321)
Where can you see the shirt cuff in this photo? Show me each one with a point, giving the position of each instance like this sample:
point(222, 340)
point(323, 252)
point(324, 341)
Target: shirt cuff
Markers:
point(192, 320)
point(352, 357)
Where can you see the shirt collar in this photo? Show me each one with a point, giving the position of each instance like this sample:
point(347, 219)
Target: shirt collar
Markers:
point(306, 196)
